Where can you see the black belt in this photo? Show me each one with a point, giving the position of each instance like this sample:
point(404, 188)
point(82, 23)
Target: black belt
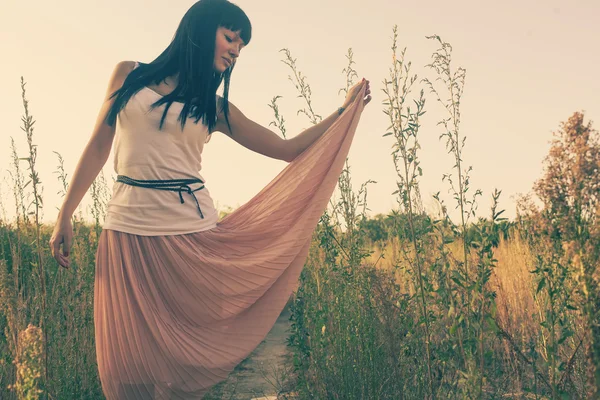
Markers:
point(172, 185)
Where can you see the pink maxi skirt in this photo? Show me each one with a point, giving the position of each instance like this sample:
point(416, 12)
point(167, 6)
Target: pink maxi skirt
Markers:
point(175, 314)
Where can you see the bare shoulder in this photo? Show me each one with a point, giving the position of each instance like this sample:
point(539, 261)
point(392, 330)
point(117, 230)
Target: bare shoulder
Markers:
point(104, 132)
point(119, 74)
point(123, 68)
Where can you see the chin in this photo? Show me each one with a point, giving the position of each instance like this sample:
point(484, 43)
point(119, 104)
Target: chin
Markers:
point(220, 69)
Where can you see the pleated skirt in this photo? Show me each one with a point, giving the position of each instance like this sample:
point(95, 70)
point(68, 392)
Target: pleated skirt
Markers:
point(175, 314)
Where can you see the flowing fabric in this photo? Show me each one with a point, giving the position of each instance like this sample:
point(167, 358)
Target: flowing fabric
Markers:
point(174, 314)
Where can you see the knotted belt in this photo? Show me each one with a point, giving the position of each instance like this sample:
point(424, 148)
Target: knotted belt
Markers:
point(172, 185)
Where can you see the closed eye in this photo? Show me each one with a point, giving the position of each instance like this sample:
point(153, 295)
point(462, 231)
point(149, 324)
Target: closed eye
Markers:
point(230, 40)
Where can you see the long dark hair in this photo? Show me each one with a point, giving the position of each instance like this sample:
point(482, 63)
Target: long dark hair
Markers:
point(191, 55)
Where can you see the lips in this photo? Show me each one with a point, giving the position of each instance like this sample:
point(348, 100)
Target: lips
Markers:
point(227, 61)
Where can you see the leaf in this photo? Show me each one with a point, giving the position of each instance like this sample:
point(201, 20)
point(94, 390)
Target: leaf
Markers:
point(492, 324)
point(541, 285)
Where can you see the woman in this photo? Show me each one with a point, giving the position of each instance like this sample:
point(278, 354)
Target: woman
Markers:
point(180, 297)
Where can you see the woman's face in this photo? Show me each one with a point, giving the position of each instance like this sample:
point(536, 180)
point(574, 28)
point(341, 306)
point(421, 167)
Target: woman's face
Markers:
point(228, 45)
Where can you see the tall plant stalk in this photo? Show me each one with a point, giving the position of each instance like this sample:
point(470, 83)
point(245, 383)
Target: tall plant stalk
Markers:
point(454, 83)
point(405, 128)
point(37, 202)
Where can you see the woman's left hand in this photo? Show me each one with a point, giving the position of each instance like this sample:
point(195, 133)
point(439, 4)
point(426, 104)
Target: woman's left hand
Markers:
point(355, 91)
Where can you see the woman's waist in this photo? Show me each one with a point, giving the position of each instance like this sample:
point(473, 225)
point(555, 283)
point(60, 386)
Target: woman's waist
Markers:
point(158, 171)
point(180, 185)
point(182, 199)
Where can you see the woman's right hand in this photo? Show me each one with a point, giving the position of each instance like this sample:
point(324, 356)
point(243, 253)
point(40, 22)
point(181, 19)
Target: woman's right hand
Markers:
point(355, 90)
point(62, 234)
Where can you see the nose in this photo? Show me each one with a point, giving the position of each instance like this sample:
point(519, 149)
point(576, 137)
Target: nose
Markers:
point(234, 51)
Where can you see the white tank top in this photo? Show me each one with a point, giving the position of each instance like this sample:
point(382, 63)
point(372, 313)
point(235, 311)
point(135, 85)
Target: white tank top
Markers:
point(143, 152)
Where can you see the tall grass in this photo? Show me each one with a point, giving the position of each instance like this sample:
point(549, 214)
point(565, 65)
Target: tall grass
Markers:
point(409, 305)
point(425, 313)
point(35, 292)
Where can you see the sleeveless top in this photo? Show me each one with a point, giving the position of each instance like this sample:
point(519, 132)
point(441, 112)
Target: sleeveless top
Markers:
point(143, 152)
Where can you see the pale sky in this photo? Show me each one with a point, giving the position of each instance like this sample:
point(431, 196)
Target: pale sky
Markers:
point(530, 65)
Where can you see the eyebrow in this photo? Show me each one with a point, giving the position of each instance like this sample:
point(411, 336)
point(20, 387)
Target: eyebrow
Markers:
point(237, 36)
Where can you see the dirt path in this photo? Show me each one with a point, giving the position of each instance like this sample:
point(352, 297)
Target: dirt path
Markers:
point(264, 371)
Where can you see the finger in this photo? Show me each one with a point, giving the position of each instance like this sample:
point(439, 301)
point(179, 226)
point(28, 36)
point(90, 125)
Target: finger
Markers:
point(56, 248)
point(63, 261)
point(66, 246)
point(59, 259)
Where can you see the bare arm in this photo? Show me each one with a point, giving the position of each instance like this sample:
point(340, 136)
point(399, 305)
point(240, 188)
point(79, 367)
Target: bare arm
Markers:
point(264, 141)
point(98, 147)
